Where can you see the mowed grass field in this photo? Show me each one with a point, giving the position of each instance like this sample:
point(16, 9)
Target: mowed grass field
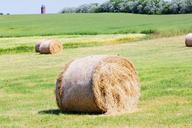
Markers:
point(26, 44)
point(92, 24)
point(164, 66)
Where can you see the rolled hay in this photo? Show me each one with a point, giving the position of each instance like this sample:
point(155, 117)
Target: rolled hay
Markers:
point(188, 40)
point(50, 46)
point(98, 84)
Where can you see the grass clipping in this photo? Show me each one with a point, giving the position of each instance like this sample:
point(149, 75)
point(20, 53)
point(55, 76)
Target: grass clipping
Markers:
point(188, 40)
point(98, 84)
point(50, 46)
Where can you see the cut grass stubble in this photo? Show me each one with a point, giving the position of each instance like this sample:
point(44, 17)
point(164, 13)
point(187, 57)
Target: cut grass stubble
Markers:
point(77, 42)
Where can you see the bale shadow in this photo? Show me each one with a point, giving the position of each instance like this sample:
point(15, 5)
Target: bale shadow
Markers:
point(58, 112)
point(51, 111)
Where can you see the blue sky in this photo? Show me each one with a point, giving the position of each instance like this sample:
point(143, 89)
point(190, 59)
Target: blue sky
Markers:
point(33, 6)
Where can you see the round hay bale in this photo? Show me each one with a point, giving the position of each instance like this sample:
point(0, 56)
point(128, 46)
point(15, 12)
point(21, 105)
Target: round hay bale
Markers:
point(188, 40)
point(50, 46)
point(98, 84)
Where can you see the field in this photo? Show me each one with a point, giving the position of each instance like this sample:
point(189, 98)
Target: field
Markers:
point(86, 24)
point(27, 79)
point(26, 44)
point(164, 66)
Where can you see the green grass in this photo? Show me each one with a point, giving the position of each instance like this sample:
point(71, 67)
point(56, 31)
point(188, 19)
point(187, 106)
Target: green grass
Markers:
point(164, 65)
point(92, 24)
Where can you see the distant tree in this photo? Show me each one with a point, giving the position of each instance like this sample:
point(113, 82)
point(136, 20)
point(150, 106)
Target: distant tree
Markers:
point(140, 8)
point(106, 7)
point(94, 7)
point(174, 6)
point(69, 10)
point(166, 8)
point(188, 6)
point(82, 9)
point(116, 5)
point(133, 6)
point(125, 6)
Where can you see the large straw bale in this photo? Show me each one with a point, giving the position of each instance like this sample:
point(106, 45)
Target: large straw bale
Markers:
point(98, 84)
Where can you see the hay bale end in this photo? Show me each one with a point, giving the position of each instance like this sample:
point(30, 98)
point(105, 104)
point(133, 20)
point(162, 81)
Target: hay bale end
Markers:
point(188, 40)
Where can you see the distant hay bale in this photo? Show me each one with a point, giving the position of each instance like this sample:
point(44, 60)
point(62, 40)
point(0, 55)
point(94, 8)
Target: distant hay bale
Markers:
point(98, 84)
point(50, 46)
point(188, 40)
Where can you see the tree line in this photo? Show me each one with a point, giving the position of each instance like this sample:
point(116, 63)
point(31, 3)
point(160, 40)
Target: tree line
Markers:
point(136, 6)
point(4, 14)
